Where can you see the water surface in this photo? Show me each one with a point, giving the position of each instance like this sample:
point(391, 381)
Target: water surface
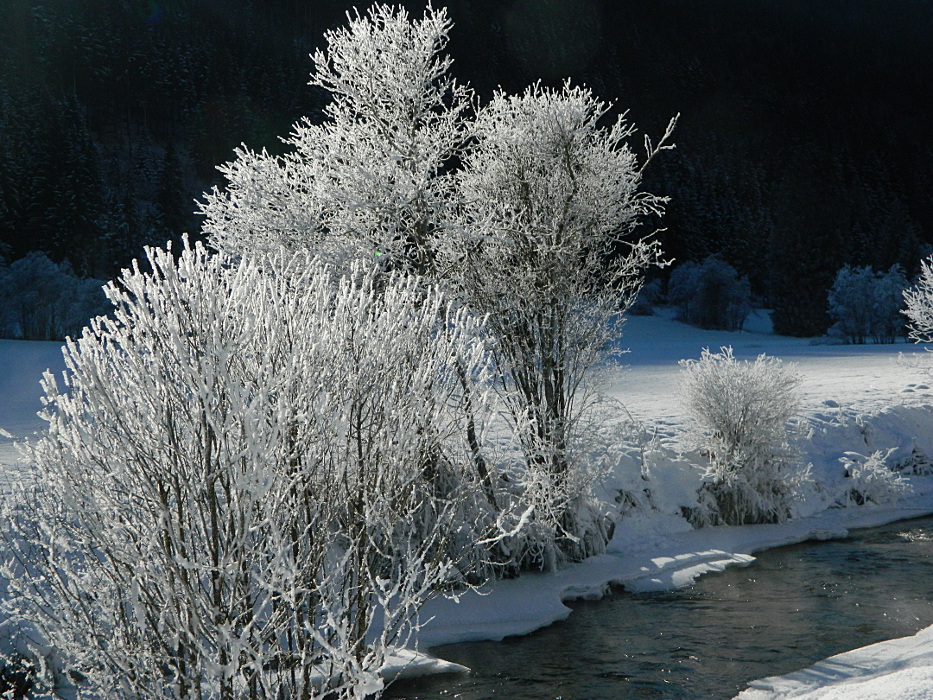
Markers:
point(793, 607)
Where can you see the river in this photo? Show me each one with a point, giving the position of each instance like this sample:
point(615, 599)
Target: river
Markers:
point(792, 607)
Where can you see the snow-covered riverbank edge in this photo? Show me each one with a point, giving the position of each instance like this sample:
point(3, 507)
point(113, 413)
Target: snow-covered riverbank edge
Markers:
point(898, 668)
point(857, 400)
point(522, 605)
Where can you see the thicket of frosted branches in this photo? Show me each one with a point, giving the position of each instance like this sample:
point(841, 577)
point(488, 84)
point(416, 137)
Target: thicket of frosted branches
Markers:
point(545, 193)
point(253, 478)
point(511, 212)
point(265, 462)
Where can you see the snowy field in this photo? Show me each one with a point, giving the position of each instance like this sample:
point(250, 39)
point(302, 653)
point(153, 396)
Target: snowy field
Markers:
point(856, 399)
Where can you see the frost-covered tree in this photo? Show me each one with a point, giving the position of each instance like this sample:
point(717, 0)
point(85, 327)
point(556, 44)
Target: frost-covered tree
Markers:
point(253, 477)
point(372, 178)
point(919, 304)
point(513, 211)
point(742, 410)
point(546, 192)
point(865, 305)
point(372, 181)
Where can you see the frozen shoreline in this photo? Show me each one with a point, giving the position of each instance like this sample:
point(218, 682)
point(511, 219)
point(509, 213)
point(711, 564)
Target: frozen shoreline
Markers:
point(857, 399)
point(897, 668)
point(520, 606)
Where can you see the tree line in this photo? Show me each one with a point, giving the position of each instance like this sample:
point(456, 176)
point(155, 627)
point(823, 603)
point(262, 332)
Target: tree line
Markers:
point(802, 146)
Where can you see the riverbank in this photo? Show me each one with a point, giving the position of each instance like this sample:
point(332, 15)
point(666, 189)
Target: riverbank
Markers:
point(898, 668)
point(857, 400)
point(520, 606)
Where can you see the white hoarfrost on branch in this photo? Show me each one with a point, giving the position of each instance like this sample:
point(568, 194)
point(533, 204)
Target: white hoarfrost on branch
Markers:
point(254, 475)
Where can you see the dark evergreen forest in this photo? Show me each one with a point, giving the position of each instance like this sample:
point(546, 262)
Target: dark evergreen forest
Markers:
point(805, 140)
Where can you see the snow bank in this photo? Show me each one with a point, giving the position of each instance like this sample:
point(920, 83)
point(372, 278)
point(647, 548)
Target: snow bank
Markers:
point(649, 554)
point(899, 668)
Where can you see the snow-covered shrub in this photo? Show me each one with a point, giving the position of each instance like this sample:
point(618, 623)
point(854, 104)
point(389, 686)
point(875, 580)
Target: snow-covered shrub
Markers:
point(40, 300)
point(742, 410)
point(253, 477)
point(649, 296)
point(919, 304)
point(870, 480)
point(710, 294)
point(865, 305)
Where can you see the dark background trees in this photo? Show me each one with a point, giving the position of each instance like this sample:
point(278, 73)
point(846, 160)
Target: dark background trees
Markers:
point(804, 142)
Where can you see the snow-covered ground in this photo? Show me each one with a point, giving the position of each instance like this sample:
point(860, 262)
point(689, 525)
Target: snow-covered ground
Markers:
point(22, 363)
point(859, 378)
point(856, 399)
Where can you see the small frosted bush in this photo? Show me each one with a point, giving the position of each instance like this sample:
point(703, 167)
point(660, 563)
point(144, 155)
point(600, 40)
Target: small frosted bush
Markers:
point(648, 297)
point(865, 305)
point(710, 294)
point(919, 304)
point(871, 480)
point(742, 410)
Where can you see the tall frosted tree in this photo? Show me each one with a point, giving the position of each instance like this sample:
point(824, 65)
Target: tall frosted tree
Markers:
point(546, 192)
point(372, 179)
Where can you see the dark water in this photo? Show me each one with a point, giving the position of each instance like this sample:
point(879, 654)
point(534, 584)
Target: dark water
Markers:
point(792, 607)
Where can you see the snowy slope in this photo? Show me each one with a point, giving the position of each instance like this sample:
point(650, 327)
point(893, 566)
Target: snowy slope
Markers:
point(856, 399)
point(864, 378)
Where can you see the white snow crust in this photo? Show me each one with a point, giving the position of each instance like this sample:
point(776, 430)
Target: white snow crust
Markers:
point(857, 399)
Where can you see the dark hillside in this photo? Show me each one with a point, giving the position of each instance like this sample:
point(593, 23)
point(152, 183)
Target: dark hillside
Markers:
point(805, 140)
